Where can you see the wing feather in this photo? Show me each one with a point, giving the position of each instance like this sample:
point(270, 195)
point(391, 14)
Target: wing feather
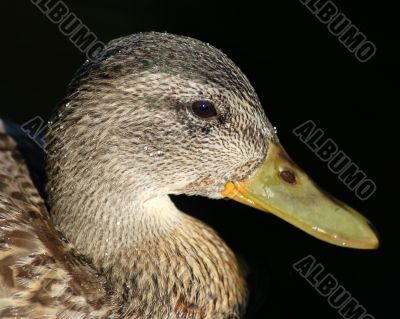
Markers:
point(41, 276)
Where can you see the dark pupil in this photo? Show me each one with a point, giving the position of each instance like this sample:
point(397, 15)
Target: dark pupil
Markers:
point(203, 106)
point(204, 109)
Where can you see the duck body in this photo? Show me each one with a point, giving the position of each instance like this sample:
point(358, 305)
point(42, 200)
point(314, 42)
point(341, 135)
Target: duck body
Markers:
point(189, 274)
point(41, 274)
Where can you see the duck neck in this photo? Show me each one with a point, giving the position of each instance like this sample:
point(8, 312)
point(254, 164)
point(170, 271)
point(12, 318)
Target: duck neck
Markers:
point(110, 229)
point(151, 254)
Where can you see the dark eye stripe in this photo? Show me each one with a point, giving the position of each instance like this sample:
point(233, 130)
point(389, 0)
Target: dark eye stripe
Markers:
point(204, 109)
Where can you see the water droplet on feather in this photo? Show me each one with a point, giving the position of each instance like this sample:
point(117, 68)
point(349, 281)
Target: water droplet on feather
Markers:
point(156, 153)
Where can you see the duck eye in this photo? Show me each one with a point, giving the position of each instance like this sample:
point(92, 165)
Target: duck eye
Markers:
point(204, 109)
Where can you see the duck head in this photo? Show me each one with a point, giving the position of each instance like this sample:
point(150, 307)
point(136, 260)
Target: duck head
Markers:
point(160, 114)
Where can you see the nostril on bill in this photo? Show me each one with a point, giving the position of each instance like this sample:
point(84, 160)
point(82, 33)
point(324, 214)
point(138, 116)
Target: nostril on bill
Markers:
point(288, 176)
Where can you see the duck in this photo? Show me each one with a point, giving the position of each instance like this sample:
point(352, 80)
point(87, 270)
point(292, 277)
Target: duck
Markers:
point(154, 115)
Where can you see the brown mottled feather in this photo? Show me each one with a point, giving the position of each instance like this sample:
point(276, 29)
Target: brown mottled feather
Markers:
point(40, 274)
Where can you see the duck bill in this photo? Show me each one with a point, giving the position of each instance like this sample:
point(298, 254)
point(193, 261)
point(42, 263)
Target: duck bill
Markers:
point(279, 186)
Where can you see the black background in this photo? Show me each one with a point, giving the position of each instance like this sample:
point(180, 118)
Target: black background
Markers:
point(300, 72)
